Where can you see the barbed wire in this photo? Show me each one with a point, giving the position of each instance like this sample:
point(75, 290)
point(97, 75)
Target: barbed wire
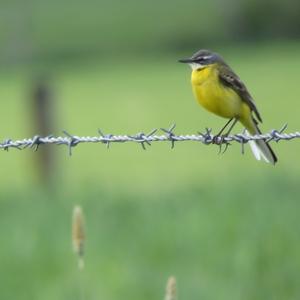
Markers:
point(168, 135)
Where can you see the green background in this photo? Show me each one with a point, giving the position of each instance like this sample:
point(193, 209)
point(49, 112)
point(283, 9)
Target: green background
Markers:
point(225, 225)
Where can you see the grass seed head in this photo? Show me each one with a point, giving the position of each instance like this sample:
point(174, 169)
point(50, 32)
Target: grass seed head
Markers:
point(171, 290)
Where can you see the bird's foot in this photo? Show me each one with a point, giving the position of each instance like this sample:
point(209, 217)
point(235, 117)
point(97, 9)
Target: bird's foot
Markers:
point(221, 141)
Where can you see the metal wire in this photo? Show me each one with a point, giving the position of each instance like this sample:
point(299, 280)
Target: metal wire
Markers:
point(144, 140)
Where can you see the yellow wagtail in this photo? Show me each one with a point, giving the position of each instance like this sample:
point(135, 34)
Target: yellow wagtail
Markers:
point(219, 90)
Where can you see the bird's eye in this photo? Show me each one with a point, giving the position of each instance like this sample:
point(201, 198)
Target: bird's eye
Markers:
point(204, 59)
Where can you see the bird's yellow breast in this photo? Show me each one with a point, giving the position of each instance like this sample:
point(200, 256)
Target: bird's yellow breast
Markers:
point(214, 96)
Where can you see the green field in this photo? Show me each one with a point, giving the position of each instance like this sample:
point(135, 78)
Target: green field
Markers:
point(225, 225)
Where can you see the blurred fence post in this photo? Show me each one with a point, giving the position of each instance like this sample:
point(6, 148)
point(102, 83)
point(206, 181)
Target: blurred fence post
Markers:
point(43, 118)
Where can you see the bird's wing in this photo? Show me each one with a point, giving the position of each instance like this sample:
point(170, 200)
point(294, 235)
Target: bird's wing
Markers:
point(230, 79)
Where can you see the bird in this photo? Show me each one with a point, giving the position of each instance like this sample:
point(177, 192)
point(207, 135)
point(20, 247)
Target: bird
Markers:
point(220, 91)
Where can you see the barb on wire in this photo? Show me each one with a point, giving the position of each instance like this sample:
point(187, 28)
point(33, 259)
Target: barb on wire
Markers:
point(168, 135)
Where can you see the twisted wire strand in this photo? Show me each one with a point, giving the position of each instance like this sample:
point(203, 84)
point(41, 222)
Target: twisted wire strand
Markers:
point(168, 135)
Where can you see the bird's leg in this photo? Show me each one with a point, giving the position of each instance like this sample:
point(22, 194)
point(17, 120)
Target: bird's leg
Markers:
point(231, 127)
point(220, 132)
point(219, 139)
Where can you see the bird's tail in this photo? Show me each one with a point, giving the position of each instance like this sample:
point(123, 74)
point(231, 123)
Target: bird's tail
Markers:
point(260, 148)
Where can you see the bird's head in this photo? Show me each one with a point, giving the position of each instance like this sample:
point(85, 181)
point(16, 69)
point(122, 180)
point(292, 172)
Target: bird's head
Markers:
point(201, 59)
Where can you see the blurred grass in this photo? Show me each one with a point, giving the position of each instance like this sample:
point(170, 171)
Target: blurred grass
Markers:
point(221, 241)
point(225, 225)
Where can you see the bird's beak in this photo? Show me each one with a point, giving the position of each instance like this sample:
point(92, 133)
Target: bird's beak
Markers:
point(186, 60)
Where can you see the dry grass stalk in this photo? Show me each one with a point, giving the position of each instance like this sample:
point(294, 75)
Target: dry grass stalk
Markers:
point(78, 235)
point(171, 290)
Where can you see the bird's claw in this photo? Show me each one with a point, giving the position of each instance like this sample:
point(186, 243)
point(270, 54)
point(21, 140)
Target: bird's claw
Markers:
point(220, 140)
